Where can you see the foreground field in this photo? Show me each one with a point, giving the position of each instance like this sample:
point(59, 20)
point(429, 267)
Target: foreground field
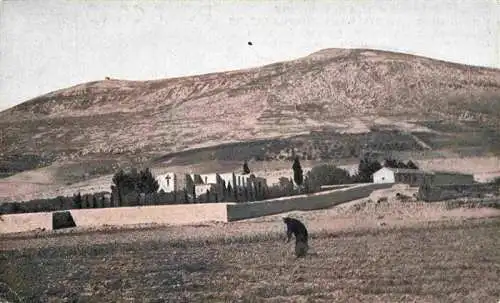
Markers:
point(452, 259)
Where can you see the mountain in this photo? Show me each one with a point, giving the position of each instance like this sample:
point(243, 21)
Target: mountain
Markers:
point(352, 99)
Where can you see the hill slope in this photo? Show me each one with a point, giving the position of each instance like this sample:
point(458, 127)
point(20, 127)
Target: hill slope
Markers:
point(333, 90)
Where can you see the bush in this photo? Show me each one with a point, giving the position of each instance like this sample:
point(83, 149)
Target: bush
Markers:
point(366, 168)
point(134, 182)
point(327, 174)
point(392, 163)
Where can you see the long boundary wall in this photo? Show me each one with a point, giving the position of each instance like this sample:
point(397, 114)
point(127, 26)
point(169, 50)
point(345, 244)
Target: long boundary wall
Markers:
point(190, 213)
point(25, 222)
point(319, 200)
point(160, 214)
point(120, 216)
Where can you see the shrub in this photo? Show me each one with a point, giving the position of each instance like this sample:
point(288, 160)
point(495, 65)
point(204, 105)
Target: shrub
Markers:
point(366, 168)
point(134, 182)
point(327, 174)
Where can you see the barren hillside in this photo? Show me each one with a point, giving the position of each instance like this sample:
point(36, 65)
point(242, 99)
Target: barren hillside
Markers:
point(361, 96)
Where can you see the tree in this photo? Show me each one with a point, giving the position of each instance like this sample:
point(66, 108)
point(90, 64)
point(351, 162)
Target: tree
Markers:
point(327, 174)
point(307, 182)
point(147, 182)
point(391, 163)
point(246, 170)
point(298, 176)
point(224, 190)
point(366, 168)
point(123, 182)
point(77, 200)
point(245, 192)
point(135, 182)
point(411, 165)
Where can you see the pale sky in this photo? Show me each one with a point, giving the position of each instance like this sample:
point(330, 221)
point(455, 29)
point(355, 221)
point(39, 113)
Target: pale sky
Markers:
point(48, 45)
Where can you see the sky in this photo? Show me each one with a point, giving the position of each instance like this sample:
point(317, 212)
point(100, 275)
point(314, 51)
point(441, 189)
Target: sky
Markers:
point(48, 45)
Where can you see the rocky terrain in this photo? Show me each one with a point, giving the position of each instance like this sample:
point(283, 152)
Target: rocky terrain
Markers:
point(335, 103)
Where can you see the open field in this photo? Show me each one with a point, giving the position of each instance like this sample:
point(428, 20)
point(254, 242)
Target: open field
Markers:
point(422, 253)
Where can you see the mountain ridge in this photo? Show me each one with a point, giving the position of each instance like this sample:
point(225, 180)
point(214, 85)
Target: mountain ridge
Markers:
point(322, 55)
point(338, 90)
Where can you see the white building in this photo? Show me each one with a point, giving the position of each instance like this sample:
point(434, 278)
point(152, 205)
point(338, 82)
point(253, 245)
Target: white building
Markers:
point(167, 182)
point(199, 183)
point(170, 182)
point(416, 177)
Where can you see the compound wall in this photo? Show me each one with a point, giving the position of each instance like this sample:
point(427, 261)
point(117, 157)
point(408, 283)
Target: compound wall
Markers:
point(25, 222)
point(239, 211)
point(159, 214)
point(190, 213)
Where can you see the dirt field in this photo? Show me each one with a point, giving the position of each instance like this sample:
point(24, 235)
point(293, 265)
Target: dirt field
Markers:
point(361, 252)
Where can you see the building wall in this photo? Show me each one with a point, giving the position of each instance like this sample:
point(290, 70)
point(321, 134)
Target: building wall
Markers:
point(384, 176)
point(414, 179)
point(167, 182)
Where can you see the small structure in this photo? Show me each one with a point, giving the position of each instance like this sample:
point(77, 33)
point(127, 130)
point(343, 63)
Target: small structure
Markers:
point(215, 183)
point(167, 182)
point(416, 177)
point(171, 182)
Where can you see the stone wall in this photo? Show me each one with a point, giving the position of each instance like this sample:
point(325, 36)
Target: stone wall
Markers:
point(189, 213)
point(25, 222)
point(159, 214)
point(302, 202)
